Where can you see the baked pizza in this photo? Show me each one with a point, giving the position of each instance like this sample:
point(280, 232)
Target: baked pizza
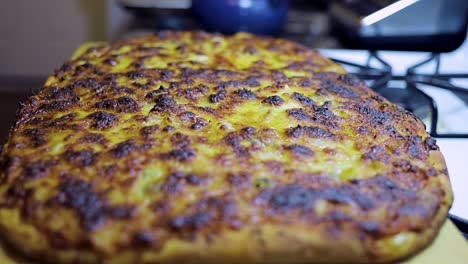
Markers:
point(186, 147)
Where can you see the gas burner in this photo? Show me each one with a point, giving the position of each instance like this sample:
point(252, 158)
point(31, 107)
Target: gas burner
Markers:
point(438, 81)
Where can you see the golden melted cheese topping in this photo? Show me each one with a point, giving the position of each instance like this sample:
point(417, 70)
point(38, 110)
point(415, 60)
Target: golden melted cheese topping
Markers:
point(181, 136)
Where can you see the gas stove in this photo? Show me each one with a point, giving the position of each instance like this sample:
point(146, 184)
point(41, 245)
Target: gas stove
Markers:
point(435, 88)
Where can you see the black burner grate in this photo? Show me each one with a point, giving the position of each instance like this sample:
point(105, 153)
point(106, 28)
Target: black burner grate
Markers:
point(440, 81)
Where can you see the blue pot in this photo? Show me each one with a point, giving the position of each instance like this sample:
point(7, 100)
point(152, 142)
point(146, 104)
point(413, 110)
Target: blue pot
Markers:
point(264, 17)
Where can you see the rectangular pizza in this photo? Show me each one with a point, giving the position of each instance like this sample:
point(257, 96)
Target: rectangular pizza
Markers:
point(190, 147)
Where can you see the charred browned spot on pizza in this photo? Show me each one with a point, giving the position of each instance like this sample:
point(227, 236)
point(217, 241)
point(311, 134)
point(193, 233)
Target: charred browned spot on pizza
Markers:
point(161, 207)
point(65, 67)
point(135, 74)
point(123, 104)
point(9, 166)
point(335, 220)
point(164, 102)
point(292, 196)
point(309, 131)
point(377, 153)
point(211, 212)
point(151, 96)
point(177, 180)
point(306, 83)
point(187, 116)
point(58, 240)
point(195, 121)
point(431, 143)
point(87, 66)
point(252, 81)
point(338, 89)
point(371, 228)
point(37, 136)
point(349, 79)
point(192, 222)
point(93, 138)
point(174, 86)
point(225, 72)
point(234, 141)
point(392, 131)
point(379, 181)
point(81, 158)
point(245, 94)
point(415, 147)
point(318, 114)
point(195, 73)
point(121, 211)
point(240, 179)
point(374, 116)
point(195, 93)
point(231, 84)
point(198, 125)
point(121, 90)
point(180, 140)
point(14, 194)
point(179, 154)
point(274, 100)
point(414, 210)
point(149, 132)
point(247, 132)
point(299, 114)
point(35, 120)
point(103, 120)
point(217, 97)
point(304, 100)
point(61, 105)
point(278, 75)
point(56, 93)
point(124, 149)
point(168, 128)
point(431, 172)
point(324, 114)
point(143, 238)
point(80, 196)
point(37, 169)
point(388, 191)
point(89, 83)
point(405, 166)
point(299, 150)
